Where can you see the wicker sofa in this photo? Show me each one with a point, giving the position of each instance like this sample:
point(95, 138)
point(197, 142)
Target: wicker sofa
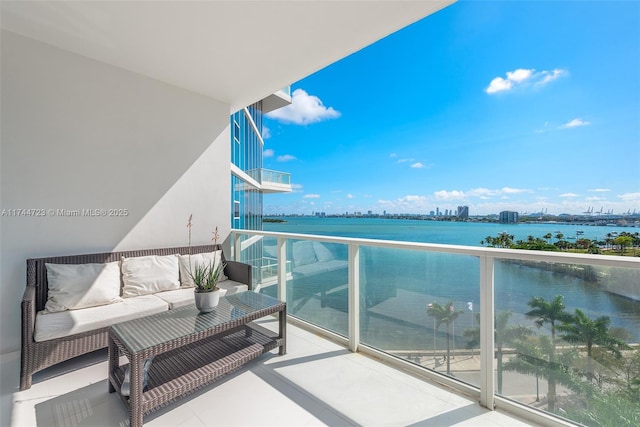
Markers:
point(40, 351)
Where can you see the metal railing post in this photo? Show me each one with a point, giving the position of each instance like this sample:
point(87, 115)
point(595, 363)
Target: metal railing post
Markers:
point(237, 247)
point(354, 297)
point(487, 385)
point(282, 268)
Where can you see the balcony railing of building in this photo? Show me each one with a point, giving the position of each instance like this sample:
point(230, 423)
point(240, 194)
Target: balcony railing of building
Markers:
point(477, 319)
point(285, 90)
point(270, 180)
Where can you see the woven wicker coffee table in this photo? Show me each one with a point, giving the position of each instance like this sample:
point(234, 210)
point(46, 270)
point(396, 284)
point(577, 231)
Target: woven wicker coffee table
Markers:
point(189, 349)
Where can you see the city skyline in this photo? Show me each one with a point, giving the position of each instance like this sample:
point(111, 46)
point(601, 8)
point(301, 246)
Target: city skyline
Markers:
point(480, 104)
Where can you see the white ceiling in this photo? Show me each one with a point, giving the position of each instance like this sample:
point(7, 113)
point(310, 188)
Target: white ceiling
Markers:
point(234, 51)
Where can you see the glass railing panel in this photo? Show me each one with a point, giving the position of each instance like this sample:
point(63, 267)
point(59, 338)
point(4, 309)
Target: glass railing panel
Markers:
point(251, 253)
point(419, 306)
point(286, 90)
point(567, 339)
point(268, 175)
point(276, 176)
point(256, 174)
point(317, 288)
point(269, 262)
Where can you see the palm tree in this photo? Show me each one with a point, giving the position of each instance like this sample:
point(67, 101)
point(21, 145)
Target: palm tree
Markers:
point(444, 314)
point(551, 312)
point(506, 334)
point(583, 330)
point(532, 358)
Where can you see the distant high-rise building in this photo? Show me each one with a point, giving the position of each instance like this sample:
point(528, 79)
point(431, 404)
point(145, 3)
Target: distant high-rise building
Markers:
point(463, 212)
point(509, 217)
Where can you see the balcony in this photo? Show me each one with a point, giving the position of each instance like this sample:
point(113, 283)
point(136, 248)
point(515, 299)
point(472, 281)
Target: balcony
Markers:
point(318, 382)
point(381, 298)
point(340, 330)
point(279, 99)
point(271, 181)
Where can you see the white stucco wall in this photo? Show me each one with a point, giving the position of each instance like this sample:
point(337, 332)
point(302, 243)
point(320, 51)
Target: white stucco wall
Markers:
point(79, 134)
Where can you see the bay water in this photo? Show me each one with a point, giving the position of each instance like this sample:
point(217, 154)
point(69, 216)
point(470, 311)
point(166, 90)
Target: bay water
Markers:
point(423, 277)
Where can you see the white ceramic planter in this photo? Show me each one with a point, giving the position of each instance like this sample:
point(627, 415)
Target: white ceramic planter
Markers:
point(207, 301)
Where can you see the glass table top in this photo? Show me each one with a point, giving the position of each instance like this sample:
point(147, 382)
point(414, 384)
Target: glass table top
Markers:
point(145, 332)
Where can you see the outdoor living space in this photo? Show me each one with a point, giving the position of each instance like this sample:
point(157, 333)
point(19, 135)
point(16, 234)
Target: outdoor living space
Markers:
point(318, 382)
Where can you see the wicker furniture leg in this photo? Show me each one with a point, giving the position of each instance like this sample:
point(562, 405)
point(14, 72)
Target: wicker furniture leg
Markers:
point(114, 355)
point(282, 323)
point(135, 399)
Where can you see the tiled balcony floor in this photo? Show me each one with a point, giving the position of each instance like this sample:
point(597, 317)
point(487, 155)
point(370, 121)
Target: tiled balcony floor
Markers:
point(317, 382)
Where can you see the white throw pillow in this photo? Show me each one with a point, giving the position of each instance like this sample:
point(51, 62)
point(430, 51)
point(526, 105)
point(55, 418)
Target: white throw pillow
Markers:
point(205, 258)
point(303, 253)
point(149, 274)
point(75, 286)
point(322, 252)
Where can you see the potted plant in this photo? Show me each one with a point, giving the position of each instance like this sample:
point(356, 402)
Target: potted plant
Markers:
point(205, 277)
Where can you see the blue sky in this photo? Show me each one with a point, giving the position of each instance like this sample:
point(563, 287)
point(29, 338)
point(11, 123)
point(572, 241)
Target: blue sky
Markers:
point(505, 105)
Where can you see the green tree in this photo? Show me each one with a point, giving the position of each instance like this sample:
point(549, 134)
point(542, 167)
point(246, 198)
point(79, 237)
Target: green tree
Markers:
point(623, 242)
point(551, 312)
point(444, 314)
point(580, 329)
point(506, 334)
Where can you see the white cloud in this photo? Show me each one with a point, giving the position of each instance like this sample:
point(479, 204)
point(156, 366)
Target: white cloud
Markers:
point(569, 195)
point(575, 123)
point(303, 110)
point(630, 197)
point(548, 76)
point(486, 193)
point(296, 188)
point(498, 85)
point(404, 160)
point(409, 203)
point(311, 196)
point(449, 195)
point(482, 192)
point(509, 190)
point(266, 133)
point(600, 190)
point(392, 155)
point(286, 158)
point(412, 198)
point(522, 77)
point(349, 196)
point(417, 165)
point(268, 153)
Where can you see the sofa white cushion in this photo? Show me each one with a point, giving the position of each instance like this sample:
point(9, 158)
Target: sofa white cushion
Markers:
point(65, 323)
point(182, 297)
point(303, 253)
point(323, 253)
point(320, 267)
point(77, 286)
point(149, 274)
point(232, 287)
point(179, 297)
point(189, 262)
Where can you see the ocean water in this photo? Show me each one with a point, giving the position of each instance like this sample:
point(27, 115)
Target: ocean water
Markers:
point(453, 233)
point(416, 278)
